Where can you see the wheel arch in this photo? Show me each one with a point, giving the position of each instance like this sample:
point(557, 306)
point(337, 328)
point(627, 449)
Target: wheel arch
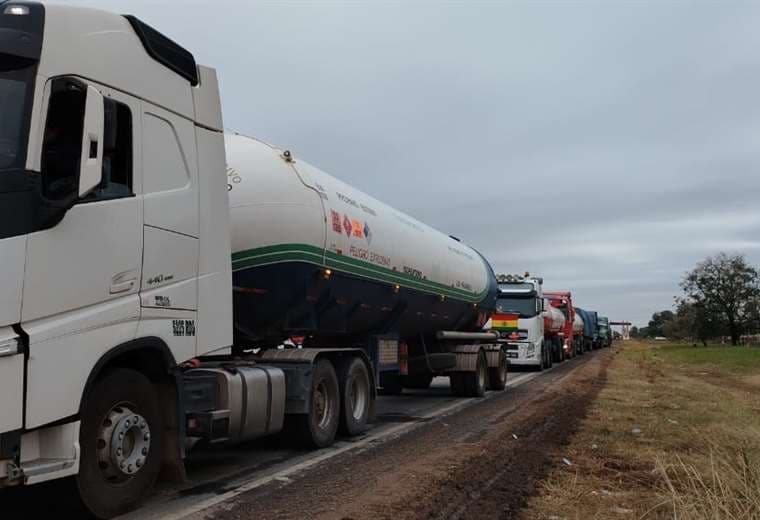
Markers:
point(150, 356)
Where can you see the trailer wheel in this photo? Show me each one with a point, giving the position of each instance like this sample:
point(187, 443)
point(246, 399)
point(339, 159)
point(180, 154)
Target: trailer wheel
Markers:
point(356, 397)
point(418, 381)
point(497, 376)
point(120, 438)
point(317, 428)
point(475, 382)
point(456, 383)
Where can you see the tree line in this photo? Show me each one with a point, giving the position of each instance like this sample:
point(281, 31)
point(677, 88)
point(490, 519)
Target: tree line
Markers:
point(721, 298)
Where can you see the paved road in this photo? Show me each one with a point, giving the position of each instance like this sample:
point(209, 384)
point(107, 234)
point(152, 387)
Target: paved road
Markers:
point(219, 475)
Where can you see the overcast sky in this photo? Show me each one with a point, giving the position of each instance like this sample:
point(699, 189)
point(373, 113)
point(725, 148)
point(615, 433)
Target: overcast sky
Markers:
point(607, 146)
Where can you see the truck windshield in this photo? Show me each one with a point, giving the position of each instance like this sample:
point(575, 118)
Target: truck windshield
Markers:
point(14, 107)
point(525, 307)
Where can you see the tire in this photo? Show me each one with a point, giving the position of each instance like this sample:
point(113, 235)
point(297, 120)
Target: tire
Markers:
point(390, 384)
point(356, 397)
point(456, 382)
point(109, 410)
point(497, 376)
point(317, 428)
point(475, 382)
point(418, 381)
point(542, 364)
point(550, 354)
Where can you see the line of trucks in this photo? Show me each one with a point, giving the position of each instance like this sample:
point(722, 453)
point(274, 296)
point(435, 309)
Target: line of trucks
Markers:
point(163, 283)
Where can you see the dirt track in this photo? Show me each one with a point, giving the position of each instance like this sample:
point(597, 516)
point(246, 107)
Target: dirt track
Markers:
point(482, 462)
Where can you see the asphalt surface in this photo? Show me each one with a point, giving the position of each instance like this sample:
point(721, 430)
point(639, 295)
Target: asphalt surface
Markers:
point(219, 475)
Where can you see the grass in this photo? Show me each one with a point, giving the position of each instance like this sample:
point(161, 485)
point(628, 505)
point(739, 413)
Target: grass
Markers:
point(675, 433)
point(726, 358)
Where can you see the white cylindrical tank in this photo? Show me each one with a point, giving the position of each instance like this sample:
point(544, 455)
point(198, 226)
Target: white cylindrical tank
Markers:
point(312, 255)
point(554, 320)
point(577, 325)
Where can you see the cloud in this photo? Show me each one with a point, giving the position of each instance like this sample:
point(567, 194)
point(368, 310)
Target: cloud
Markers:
point(606, 146)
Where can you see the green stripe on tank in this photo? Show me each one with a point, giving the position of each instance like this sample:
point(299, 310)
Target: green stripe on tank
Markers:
point(314, 255)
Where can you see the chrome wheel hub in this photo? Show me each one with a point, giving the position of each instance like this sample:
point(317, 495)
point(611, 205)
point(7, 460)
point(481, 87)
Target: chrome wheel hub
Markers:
point(123, 443)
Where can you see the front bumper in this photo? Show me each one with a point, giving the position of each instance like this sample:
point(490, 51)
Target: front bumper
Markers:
point(523, 353)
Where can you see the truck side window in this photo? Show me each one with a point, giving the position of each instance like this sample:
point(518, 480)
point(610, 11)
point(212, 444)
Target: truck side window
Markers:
point(117, 153)
point(62, 142)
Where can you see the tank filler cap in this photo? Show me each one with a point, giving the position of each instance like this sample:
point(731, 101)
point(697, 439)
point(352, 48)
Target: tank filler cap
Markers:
point(288, 156)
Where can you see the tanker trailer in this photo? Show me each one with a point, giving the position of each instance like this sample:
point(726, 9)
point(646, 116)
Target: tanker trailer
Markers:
point(563, 300)
point(554, 323)
point(578, 327)
point(590, 334)
point(316, 259)
point(129, 326)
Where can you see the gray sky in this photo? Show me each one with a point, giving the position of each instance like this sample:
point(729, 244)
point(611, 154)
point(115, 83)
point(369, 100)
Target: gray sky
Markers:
point(607, 146)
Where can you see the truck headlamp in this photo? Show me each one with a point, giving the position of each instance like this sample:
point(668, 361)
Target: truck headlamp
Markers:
point(16, 10)
point(9, 347)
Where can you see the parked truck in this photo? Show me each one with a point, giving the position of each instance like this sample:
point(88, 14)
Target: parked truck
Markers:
point(145, 302)
point(604, 331)
point(530, 327)
point(590, 329)
point(563, 300)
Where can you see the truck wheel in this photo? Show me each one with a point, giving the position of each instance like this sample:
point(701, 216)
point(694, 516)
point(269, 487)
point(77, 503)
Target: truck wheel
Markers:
point(356, 393)
point(456, 383)
point(475, 382)
point(120, 437)
point(497, 376)
point(543, 363)
point(550, 355)
point(418, 381)
point(317, 428)
point(390, 384)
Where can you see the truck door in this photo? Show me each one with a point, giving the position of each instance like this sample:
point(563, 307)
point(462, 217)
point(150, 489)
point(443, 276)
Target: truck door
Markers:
point(83, 274)
point(169, 291)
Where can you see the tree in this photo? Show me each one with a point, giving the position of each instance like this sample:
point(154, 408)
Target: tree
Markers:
point(657, 323)
point(724, 289)
point(692, 321)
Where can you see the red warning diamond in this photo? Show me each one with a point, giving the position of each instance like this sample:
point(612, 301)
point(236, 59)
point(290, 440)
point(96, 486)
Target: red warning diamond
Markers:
point(347, 225)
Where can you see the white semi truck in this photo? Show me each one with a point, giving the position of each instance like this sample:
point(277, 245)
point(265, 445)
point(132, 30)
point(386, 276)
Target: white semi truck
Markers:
point(524, 319)
point(144, 301)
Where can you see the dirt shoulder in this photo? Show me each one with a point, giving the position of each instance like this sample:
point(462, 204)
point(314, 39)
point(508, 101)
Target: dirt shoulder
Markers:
point(482, 462)
point(674, 434)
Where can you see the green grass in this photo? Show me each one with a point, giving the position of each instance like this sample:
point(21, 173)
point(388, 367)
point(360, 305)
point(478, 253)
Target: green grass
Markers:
point(724, 357)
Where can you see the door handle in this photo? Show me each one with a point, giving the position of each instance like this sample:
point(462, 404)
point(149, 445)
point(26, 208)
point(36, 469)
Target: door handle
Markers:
point(123, 282)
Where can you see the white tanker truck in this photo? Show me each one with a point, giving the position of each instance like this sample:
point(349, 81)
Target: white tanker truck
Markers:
point(144, 301)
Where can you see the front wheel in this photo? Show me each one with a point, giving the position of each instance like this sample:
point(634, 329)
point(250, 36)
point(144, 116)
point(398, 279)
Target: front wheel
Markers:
point(120, 437)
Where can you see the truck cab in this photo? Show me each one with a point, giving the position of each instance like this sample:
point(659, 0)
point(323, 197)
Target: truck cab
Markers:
point(518, 318)
point(605, 332)
point(112, 267)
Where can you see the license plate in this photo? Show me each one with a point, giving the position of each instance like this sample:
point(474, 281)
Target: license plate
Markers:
point(511, 355)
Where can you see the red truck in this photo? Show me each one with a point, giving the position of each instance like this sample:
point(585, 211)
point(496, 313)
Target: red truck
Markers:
point(563, 300)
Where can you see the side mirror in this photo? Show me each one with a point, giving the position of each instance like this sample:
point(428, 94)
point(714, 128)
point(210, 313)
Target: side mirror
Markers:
point(91, 169)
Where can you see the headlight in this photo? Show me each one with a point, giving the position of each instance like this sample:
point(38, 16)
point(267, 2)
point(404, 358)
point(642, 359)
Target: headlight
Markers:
point(17, 10)
point(9, 347)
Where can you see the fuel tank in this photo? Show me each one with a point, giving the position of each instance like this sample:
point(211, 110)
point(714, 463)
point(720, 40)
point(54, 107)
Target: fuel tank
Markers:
point(578, 325)
point(554, 320)
point(314, 257)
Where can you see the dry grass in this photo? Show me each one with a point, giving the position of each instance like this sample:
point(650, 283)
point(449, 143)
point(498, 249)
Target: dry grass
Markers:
point(666, 438)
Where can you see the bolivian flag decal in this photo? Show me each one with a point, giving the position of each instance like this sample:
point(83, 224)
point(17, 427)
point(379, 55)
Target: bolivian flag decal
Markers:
point(504, 322)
